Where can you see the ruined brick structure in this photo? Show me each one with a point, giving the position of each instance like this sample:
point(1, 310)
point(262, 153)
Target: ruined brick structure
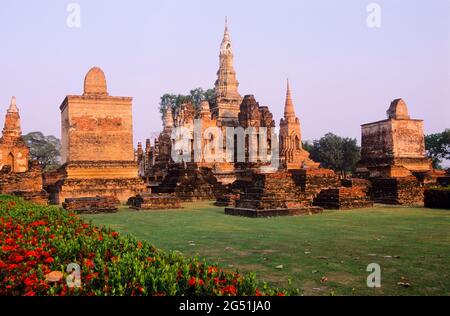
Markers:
point(92, 205)
point(343, 198)
point(397, 191)
point(18, 174)
point(97, 145)
point(226, 109)
point(393, 157)
point(394, 147)
point(151, 201)
point(292, 154)
point(13, 150)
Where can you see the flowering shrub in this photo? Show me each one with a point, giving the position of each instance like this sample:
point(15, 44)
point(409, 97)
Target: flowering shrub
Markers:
point(38, 242)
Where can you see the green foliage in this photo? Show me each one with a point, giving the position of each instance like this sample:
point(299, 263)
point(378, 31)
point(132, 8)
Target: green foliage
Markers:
point(36, 240)
point(196, 96)
point(335, 152)
point(438, 147)
point(336, 245)
point(308, 146)
point(45, 149)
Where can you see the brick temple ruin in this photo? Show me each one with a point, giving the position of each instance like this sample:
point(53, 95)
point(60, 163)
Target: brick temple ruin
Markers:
point(19, 175)
point(252, 187)
point(393, 157)
point(97, 145)
point(262, 176)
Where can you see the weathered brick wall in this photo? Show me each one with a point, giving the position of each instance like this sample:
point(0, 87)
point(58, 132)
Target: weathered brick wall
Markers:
point(121, 189)
point(191, 184)
point(155, 202)
point(312, 181)
point(92, 205)
point(30, 181)
point(403, 191)
point(408, 139)
point(97, 128)
point(343, 198)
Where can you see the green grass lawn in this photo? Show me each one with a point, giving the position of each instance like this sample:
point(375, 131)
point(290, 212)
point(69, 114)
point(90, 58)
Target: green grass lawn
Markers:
point(409, 243)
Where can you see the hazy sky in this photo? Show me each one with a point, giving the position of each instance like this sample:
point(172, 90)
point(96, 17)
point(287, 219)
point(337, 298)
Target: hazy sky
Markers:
point(342, 72)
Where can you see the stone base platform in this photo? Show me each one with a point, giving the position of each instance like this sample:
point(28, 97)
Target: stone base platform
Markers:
point(90, 179)
point(154, 202)
point(253, 213)
point(343, 199)
point(191, 183)
point(92, 205)
point(400, 191)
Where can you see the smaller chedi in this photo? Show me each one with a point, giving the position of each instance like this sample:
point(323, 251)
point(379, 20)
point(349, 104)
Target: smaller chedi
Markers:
point(13, 150)
point(394, 147)
point(97, 145)
point(19, 175)
point(292, 154)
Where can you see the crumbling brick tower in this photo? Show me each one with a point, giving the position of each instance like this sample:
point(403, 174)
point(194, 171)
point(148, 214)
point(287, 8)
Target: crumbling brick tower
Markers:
point(393, 156)
point(18, 174)
point(292, 154)
point(97, 145)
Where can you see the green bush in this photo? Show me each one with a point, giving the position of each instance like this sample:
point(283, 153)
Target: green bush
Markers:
point(39, 241)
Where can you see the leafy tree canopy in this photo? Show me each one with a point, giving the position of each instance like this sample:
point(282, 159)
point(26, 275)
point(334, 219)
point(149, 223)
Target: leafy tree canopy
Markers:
point(196, 96)
point(438, 147)
point(335, 152)
point(45, 149)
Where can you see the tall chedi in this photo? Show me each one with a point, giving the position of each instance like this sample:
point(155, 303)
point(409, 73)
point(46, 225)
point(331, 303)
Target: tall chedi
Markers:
point(13, 149)
point(225, 106)
point(292, 154)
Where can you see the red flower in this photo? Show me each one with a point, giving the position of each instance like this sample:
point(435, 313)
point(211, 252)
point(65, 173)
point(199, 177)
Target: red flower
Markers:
point(30, 280)
point(31, 253)
point(212, 269)
point(281, 294)
point(258, 293)
point(192, 281)
point(16, 258)
point(8, 248)
point(114, 234)
point(229, 290)
point(201, 282)
point(49, 260)
point(30, 293)
point(92, 276)
point(89, 263)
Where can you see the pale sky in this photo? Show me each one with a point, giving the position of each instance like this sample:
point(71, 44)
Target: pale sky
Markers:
point(342, 72)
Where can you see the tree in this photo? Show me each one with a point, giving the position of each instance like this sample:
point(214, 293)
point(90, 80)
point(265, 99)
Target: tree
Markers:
point(45, 149)
point(438, 147)
point(337, 153)
point(196, 96)
point(308, 146)
point(351, 153)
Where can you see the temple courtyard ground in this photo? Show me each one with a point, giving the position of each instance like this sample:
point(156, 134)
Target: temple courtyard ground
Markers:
point(324, 254)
